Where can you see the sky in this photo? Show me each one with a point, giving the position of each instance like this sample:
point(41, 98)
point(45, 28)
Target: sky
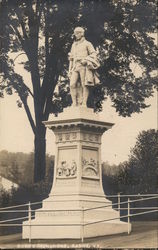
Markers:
point(16, 134)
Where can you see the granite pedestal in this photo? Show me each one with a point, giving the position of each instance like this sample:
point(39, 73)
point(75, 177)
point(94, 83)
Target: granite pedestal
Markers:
point(77, 187)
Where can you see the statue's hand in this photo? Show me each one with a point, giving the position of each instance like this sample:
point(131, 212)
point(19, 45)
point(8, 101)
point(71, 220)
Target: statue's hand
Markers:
point(84, 62)
point(69, 74)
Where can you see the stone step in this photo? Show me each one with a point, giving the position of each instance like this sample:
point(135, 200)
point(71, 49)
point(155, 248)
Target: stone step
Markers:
point(70, 231)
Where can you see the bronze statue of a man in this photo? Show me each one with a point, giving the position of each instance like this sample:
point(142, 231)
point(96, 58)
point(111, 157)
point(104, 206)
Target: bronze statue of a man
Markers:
point(82, 68)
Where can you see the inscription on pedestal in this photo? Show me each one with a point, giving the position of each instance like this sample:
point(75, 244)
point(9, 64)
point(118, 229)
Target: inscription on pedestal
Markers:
point(57, 213)
point(90, 183)
point(65, 182)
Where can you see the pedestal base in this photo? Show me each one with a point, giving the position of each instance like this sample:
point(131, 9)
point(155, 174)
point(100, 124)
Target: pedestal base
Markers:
point(74, 217)
point(77, 187)
point(74, 232)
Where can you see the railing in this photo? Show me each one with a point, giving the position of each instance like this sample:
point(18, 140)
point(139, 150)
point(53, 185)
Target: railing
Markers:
point(119, 203)
point(128, 202)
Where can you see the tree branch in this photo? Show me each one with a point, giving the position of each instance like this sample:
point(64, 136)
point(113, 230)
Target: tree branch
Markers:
point(38, 10)
point(24, 101)
point(18, 33)
point(18, 12)
point(30, 92)
point(23, 82)
point(48, 98)
point(29, 115)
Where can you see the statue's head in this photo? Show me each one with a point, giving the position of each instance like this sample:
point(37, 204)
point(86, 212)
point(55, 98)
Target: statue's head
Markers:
point(78, 33)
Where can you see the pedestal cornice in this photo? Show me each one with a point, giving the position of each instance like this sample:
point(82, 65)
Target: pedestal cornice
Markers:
point(78, 117)
point(78, 122)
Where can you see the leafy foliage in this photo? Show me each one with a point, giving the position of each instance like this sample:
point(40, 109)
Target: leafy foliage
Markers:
point(120, 30)
point(140, 173)
point(42, 30)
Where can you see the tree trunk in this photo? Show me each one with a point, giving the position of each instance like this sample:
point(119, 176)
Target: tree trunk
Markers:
point(40, 154)
point(40, 130)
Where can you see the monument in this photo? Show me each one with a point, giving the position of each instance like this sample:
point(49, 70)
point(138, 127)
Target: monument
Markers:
point(77, 206)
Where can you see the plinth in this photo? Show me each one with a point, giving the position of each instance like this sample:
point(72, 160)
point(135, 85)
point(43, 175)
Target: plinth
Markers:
point(70, 210)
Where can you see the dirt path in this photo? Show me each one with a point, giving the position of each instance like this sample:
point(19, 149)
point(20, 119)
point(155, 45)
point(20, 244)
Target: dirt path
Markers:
point(144, 235)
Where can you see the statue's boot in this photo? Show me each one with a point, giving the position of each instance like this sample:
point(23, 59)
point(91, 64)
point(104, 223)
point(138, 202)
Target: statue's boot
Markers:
point(79, 95)
point(85, 96)
point(73, 96)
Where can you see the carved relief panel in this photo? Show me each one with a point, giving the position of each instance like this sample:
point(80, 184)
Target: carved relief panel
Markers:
point(90, 163)
point(90, 137)
point(66, 169)
point(65, 137)
point(74, 136)
point(67, 163)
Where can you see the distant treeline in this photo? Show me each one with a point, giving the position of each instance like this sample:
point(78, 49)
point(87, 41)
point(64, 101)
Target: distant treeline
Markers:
point(140, 173)
point(19, 167)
